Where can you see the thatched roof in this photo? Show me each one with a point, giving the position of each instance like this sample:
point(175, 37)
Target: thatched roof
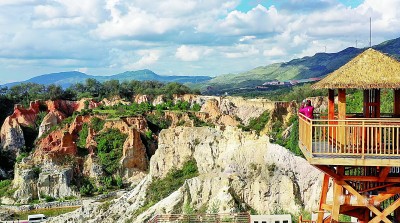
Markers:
point(370, 69)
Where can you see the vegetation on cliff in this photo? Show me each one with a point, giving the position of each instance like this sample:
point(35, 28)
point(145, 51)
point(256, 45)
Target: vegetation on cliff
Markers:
point(163, 187)
point(109, 149)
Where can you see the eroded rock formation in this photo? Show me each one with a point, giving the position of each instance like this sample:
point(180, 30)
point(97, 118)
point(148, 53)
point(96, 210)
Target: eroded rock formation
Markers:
point(237, 170)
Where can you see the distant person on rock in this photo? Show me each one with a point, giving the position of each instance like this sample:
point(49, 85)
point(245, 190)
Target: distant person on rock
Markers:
point(307, 110)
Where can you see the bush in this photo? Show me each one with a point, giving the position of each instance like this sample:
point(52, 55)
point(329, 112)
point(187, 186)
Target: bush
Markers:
point(161, 188)
point(6, 189)
point(196, 107)
point(48, 198)
point(149, 134)
point(20, 157)
point(109, 147)
point(97, 124)
point(83, 134)
point(119, 181)
point(87, 187)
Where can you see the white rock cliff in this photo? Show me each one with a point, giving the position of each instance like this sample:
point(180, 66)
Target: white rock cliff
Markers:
point(238, 171)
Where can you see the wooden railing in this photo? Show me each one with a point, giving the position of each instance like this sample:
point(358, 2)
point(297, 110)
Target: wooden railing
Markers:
point(203, 218)
point(379, 137)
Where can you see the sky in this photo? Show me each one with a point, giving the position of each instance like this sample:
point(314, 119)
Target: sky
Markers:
point(181, 37)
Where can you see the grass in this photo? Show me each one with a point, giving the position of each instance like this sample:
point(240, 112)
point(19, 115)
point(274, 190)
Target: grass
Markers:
point(51, 212)
point(108, 111)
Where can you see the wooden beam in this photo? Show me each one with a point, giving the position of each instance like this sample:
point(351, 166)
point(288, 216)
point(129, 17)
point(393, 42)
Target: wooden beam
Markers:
point(322, 200)
point(326, 207)
point(361, 198)
point(386, 212)
point(383, 174)
point(356, 161)
point(384, 195)
point(376, 188)
point(371, 179)
point(337, 193)
point(329, 171)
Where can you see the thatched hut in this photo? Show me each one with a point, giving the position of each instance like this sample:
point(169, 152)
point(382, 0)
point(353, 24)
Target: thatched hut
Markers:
point(359, 153)
point(371, 71)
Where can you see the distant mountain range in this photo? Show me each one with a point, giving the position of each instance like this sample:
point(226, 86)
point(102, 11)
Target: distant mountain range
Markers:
point(318, 65)
point(65, 79)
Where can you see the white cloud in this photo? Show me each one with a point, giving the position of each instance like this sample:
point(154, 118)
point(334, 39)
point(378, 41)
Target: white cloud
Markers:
point(211, 36)
point(242, 50)
point(135, 23)
point(246, 38)
point(256, 21)
point(274, 51)
point(191, 53)
point(15, 2)
point(132, 60)
point(61, 13)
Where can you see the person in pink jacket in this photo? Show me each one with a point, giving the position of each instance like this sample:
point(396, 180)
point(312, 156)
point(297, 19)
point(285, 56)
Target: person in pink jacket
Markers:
point(307, 110)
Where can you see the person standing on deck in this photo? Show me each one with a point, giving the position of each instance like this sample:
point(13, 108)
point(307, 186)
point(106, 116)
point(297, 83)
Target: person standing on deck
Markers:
point(307, 110)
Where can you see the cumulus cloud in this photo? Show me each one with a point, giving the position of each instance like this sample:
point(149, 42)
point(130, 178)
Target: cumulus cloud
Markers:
point(209, 35)
point(275, 51)
point(256, 21)
point(132, 60)
point(191, 53)
point(241, 50)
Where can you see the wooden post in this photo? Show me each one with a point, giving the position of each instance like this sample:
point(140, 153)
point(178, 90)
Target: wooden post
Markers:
point(322, 200)
point(366, 110)
point(396, 103)
point(337, 194)
point(331, 113)
point(342, 104)
point(331, 104)
point(377, 93)
point(342, 116)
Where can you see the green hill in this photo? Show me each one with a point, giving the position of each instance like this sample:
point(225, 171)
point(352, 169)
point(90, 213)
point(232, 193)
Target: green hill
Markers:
point(318, 65)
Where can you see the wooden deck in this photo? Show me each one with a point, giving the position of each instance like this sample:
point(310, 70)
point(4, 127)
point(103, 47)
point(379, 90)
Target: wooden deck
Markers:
point(353, 141)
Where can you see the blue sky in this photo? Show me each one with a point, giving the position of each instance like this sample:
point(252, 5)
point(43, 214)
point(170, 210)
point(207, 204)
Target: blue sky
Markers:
point(180, 37)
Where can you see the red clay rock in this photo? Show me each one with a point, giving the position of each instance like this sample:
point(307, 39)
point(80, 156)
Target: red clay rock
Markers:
point(26, 117)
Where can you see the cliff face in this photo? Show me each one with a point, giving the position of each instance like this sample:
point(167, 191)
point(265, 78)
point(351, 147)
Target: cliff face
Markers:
point(237, 170)
point(229, 161)
point(11, 134)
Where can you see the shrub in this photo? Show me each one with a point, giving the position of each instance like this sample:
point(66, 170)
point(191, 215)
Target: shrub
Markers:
point(6, 189)
point(97, 124)
point(20, 157)
point(87, 187)
point(119, 181)
point(161, 188)
point(149, 134)
point(196, 107)
point(109, 147)
point(48, 198)
point(83, 134)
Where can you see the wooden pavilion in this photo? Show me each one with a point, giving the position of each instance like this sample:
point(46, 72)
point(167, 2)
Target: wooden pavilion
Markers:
point(360, 153)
